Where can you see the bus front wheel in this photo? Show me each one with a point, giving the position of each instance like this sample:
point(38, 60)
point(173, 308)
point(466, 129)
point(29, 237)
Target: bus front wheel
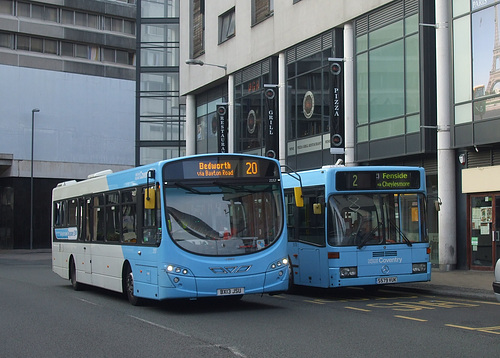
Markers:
point(129, 287)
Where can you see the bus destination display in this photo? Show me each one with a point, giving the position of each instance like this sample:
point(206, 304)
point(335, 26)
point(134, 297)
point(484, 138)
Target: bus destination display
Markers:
point(221, 167)
point(378, 180)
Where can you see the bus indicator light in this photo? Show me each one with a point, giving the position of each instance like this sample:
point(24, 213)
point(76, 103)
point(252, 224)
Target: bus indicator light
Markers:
point(334, 255)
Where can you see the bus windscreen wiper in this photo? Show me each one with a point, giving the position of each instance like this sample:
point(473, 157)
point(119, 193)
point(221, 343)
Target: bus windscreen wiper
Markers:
point(406, 240)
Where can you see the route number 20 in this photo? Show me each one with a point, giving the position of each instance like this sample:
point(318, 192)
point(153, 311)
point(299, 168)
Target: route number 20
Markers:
point(252, 168)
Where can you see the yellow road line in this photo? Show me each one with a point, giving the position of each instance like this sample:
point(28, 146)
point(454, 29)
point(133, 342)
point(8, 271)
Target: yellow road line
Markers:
point(357, 309)
point(479, 329)
point(411, 318)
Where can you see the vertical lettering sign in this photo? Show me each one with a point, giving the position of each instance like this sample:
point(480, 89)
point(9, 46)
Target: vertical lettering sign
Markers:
point(222, 128)
point(337, 142)
point(271, 119)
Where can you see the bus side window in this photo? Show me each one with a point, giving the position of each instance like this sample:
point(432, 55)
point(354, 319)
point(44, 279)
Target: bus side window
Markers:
point(112, 217)
point(129, 216)
point(151, 225)
point(291, 209)
point(58, 214)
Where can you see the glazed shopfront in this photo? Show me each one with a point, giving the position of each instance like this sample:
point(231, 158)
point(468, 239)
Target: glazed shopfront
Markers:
point(482, 187)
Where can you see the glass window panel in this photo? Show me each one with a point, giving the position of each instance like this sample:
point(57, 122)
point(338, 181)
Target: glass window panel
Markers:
point(117, 25)
point(37, 12)
point(5, 40)
point(50, 46)
point(160, 33)
point(36, 44)
point(362, 43)
point(80, 18)
point(413, 124)
point(461, 7)
point(226, 26)
point(462, 60)
point(6, 7)
point(412, 75)
point(93, 21)
point(463, 113)
point(129, 27)
point(50, 14)
point(484, 52)
point(106, 23)
point(108, 55)
point(167, 82)
point(23, 43)
point(159, 106)
point(154, 154)
point(411, 24)
point(66, 49)
point(386, 34)
point(122, 57)
point(81, 51)
point(387, 82)
point(159, 8)
point(23, 9)
point(362, 88)
point(387, 129)
point(67, 17)
point(362, 133)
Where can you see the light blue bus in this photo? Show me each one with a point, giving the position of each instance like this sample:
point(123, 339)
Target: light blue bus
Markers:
point(192, 227)
point(357, 226)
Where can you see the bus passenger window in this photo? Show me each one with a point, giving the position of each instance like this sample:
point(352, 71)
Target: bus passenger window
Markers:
point(112, 217)
point(151, 231)
point(129, 216)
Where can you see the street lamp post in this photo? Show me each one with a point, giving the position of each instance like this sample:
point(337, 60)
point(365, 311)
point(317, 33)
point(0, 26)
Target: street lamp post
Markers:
point(201, 63)
point(33, 111)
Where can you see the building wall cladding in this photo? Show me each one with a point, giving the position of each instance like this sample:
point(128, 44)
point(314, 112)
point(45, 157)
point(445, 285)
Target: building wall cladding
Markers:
point(86, 121)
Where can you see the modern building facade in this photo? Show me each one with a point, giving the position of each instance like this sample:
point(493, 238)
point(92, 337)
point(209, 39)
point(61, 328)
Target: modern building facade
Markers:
point(418, 87)
point(67, 93)
point(160, 111)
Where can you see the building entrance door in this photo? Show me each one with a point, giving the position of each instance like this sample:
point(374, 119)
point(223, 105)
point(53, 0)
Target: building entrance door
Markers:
point(484, 244)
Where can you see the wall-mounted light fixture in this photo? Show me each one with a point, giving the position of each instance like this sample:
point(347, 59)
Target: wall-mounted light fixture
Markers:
point(462, 158)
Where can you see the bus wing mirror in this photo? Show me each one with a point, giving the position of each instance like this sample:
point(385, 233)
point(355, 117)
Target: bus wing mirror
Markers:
point(299, 199)
point(150, 198)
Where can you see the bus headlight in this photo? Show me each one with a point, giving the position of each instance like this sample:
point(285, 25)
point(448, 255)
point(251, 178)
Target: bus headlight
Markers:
point(278, 264)
point(348, 272)
point(419, 267)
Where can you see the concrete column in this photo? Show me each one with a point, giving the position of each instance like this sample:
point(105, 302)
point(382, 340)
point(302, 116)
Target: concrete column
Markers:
point(445, 153)
point(349, 123)
point(230, 109)
point(190, 127)
point(282, 108)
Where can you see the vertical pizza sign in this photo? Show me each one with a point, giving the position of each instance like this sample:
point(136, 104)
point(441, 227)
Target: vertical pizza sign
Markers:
point(222, 128)
point(271, 118)
point(337, 142)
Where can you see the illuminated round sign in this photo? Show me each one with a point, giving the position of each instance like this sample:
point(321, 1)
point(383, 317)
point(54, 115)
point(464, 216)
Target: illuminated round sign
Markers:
point(251, 122)
point(308, 104)
point(337, 140)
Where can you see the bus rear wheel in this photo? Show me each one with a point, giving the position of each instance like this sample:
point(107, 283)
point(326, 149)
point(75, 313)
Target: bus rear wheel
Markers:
point(72, 276)
point(129, 287)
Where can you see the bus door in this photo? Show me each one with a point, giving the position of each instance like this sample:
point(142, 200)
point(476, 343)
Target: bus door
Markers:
point(307, 239)
point(484, 248)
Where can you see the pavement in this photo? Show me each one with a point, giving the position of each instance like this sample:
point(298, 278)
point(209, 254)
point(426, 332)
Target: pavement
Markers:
point(469, 284)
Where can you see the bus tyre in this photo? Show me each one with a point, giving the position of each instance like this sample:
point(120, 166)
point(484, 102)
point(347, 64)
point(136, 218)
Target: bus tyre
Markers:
point(72, 276)
point(129, 287)
point(291, 284)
